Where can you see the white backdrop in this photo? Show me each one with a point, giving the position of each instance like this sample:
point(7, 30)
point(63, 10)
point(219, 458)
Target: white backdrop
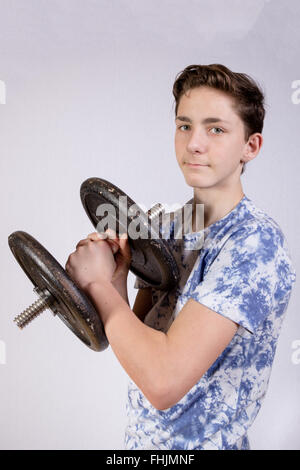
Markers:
point(89, 93)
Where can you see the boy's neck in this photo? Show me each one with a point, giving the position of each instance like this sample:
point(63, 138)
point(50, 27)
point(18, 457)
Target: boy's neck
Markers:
point(217, 203)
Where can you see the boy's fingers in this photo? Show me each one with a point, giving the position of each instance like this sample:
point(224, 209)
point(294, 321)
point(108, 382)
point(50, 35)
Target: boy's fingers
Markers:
point(114, 246)
point(97, 236)
point(81, 243)
point(124, 246)
point(111, 234)
point(116, 243)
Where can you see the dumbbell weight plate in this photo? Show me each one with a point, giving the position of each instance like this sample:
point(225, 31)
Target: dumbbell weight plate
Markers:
point(71, 304)
point(152, 259)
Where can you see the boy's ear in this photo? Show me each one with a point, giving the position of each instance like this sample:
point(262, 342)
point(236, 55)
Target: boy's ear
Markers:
point(252, 147)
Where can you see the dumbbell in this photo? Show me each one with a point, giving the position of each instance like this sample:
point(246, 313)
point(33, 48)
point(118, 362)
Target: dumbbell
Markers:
point(151, 260)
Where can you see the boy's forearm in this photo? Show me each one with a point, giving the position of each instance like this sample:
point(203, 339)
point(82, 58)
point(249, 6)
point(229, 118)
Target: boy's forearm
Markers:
point(121, 286)
point(140, 349)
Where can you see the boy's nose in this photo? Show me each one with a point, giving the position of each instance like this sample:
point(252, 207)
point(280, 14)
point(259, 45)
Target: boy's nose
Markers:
point(197, 143)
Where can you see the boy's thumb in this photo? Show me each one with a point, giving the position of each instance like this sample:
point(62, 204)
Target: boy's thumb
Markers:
point(124, 246)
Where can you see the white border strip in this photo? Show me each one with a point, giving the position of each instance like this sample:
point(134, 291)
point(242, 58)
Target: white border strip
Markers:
point(2, 92)
point(2, 352)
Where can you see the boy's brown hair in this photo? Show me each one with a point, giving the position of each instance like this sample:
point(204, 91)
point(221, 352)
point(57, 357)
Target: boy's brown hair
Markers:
point(246, 93)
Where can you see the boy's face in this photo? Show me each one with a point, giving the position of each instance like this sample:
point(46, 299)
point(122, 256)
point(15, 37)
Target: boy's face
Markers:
point(216, 147)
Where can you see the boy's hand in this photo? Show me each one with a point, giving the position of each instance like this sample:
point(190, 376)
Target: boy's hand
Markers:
point(121, 249)
point(94, 262)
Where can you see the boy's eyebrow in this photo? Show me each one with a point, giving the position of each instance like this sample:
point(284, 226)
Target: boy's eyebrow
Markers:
point(208, 120)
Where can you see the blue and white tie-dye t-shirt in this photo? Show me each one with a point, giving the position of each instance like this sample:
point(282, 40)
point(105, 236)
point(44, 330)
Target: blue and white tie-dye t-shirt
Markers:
point(243, 271)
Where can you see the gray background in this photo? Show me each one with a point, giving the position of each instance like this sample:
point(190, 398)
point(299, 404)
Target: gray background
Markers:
point(89, 93)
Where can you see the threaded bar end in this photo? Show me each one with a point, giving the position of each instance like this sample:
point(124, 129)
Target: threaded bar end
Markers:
point(155, 211)
point(32, 312)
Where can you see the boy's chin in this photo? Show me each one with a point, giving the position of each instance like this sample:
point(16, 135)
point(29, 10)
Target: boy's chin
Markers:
point(197, 182)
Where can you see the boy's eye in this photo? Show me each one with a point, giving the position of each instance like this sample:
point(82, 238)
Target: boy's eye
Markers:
point(184, 125)
point(219, 129)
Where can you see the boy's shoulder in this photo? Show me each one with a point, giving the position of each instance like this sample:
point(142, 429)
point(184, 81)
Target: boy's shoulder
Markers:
point(246, 219)
point(246, 222)
point(253, 236)
point(252, 219)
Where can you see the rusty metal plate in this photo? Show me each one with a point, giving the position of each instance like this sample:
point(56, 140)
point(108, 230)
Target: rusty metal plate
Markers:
point(71, 304)
point(152, 259)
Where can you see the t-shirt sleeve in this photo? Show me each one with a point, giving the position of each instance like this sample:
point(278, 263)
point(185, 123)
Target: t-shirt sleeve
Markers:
point(250, 274)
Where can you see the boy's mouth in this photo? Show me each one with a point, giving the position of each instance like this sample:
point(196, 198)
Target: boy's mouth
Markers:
point(195, 164)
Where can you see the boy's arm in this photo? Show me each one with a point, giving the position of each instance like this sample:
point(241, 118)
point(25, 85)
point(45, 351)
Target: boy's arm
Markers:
point(164, 366)
point(121, 286)
point(143, 303)
point(143, 299)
